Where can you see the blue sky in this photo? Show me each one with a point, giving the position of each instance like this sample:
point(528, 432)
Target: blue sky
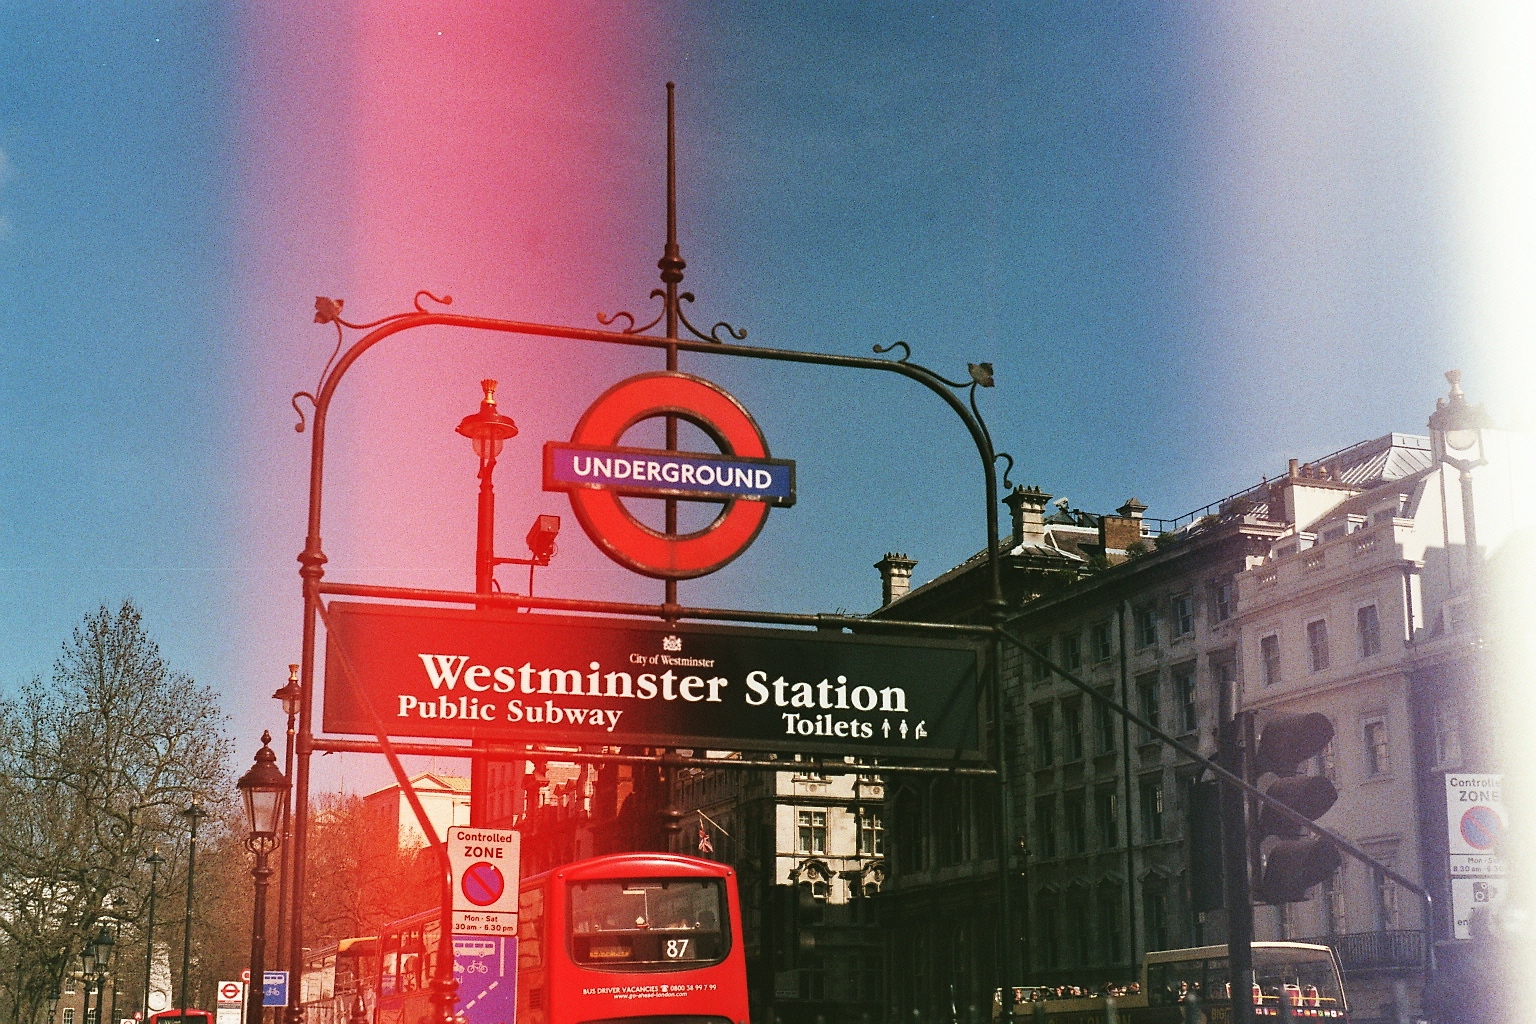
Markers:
point(1193, 242)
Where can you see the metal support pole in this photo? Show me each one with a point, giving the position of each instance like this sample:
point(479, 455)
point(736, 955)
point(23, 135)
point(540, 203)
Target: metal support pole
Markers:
point(1234, 842)
point(285, 849)
point(256, 992)
point(193, 814)
point(485, 528)
point(154, 860)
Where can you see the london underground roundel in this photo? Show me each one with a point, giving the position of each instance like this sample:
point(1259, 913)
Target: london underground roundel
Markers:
point(596, 471)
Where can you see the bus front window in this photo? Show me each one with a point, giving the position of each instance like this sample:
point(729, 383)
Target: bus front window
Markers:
point(648, 924)
point(1301, 981)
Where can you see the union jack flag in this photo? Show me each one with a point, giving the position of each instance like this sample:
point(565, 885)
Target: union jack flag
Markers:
point(706, 846)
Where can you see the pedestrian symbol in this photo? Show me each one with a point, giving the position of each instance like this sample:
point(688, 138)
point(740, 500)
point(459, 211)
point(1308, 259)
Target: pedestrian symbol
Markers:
point(483, 884)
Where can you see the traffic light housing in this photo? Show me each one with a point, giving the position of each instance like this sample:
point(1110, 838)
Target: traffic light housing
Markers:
point(1294, 860)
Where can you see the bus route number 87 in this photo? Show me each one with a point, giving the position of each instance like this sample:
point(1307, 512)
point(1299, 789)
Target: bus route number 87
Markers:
point(679, 949)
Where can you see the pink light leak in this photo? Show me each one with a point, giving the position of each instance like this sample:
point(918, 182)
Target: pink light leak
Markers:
point(510, 157)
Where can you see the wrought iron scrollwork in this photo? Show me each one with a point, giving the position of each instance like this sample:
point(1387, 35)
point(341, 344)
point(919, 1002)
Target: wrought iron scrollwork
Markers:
point(328, 311)
point(980, 377)
point(714, 334)
point(656, 293)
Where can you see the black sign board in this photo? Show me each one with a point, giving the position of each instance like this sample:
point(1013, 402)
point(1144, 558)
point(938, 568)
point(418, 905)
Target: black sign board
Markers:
point(508, 677)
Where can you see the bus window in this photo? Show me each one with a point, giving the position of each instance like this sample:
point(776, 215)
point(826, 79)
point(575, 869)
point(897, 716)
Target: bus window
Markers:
point(1300, 979)
point(1176, 981)
point(647, 924)
point(389, 965)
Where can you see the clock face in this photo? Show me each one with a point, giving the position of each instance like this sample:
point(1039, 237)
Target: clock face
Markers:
point(1460, 440)
point(158, 1001)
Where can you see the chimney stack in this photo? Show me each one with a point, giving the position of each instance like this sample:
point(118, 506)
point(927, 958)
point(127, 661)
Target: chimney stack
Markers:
point(1028, 507)
point(1120, 531)
point(895, 576)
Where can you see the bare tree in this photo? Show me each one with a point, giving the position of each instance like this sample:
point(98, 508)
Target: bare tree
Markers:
point(96, 765)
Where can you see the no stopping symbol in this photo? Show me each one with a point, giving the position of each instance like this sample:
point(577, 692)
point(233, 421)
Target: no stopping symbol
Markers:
point(482, 883)
point(596, 471)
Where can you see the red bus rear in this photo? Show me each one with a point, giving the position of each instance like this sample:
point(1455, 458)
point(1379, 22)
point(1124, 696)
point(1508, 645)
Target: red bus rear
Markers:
point(637, 938)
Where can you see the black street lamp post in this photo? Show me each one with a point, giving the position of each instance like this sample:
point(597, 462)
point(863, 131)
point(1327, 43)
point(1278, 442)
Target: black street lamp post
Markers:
point(265, 791)
point(489, 430)
point(97, 953)
point(289, 696)
point(193, 814)
point(154, 860)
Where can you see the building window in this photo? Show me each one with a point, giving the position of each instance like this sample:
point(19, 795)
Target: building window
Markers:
point(1368, 627)
point(1075, 806)
point(813, 831)
point(1183, 615)
point(1079, 907)
point(871, 833)
point(1072, 728)
point(1378, 750)
point(1152, 809)
point(1447, 734)
point(1333, 906)
point(1045, 753)
point(1154, 901)
point(1226, 688)
point(1221, 595)
point(1149, 701)
point(1047, 915)
point(1317, 644)
point(69, 1015)
point(1327, 764)
point(1045, 827)
point(1269, 653)
point(1184, 692)
point(1042, 670)
point(1104, 726)
point(1106, 818)
point(1103, 641)
point(1110, 940)
point(1146, 626)
point(1072, 651)
point(1384, 899)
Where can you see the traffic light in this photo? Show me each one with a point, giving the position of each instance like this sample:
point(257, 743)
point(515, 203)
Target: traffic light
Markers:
point(1206, 887)
point(1294, 860)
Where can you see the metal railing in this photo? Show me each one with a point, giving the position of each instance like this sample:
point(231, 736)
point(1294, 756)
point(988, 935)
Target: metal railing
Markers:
point(1377, 951)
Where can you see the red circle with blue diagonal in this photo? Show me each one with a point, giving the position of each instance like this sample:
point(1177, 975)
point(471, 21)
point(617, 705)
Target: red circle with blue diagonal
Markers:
point(483, 883)
point(1481, 827)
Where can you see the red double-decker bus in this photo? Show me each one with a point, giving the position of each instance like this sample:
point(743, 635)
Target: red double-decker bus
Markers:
point(635, 938)
point(632, 938)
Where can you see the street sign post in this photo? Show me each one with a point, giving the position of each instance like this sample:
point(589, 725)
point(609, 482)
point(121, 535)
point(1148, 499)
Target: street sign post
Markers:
point(485, 878)
point(494, 676)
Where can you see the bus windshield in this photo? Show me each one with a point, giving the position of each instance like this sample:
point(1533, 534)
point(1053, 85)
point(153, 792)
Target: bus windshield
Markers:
point(660, 924)
point(1307, 980)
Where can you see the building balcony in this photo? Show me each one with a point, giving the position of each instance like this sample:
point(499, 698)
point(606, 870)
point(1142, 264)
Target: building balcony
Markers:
point(1377, 951)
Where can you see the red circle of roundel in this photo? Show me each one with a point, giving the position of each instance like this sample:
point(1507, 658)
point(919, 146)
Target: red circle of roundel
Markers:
point(624, 538)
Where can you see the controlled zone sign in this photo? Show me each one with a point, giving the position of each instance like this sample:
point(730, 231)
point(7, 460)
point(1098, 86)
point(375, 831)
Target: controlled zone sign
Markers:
point(485, 878)
point(507, 677)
